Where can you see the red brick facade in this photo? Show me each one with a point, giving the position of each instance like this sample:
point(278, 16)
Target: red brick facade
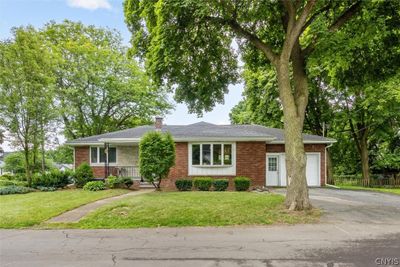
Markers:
point(318, 148)
point(82, 154)
point(250, 162)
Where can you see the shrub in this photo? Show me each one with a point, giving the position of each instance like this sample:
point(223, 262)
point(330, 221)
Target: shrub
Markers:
point(94, 186)
point(220, 184)
point(202, 183)
point(127, 181)
point(242, 183)
point(12, 182)
point(83, 174)
point(54, 178)
point(157, 156)
point(184, 184)
point(7, 176)
point(112, 181)
point(46, 189)
point(15, 190)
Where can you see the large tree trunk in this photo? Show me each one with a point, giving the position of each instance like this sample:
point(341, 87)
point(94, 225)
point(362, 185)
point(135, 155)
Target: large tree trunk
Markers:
point(297, 192)
point(364, 158)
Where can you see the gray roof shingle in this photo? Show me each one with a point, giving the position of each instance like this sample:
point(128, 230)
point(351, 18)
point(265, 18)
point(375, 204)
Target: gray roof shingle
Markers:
point(202, 130)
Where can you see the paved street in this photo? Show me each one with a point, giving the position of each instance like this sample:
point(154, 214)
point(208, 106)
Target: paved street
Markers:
point(357, 229)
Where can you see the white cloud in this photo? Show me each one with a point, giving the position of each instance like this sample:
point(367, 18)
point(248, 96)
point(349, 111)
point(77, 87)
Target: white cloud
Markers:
point(89, 4)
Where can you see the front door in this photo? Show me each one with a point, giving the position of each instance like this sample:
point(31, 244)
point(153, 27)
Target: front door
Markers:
point(273, 171)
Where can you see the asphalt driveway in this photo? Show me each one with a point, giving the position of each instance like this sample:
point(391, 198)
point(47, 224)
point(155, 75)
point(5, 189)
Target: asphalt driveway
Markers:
point(357, 229)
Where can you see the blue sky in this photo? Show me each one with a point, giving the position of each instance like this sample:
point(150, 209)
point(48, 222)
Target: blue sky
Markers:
point(105, 13)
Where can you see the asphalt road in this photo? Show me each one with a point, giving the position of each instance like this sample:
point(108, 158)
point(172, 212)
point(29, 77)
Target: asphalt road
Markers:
point(357, 229)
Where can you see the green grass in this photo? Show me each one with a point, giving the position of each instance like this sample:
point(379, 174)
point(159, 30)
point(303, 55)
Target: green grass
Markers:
point(177, 209)
point(376, 189)
point(24, 210)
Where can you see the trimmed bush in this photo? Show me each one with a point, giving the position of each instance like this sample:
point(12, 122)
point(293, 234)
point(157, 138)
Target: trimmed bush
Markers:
point(242, 183)
point(112, 181)
point(54, 178)
point(202, 183)
point(220, 184)
point(127, 181)
point(83, 174)
point(15, 190)
point(184, 184)
point(94, 186)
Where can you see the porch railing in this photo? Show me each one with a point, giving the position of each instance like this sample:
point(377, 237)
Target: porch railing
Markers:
point(125, 171)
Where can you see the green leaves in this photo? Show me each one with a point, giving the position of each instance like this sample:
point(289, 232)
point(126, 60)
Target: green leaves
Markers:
point(100, 88)
point(156, 156)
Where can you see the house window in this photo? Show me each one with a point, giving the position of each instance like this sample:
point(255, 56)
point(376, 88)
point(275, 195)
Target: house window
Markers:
point(211, 154)
point(98, 155)
point(272, 164)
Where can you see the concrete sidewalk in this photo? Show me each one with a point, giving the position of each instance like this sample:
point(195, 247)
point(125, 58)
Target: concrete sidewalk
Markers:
point(76, 214)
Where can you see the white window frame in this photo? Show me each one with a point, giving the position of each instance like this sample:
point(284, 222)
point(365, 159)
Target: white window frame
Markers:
point(98, 163)
point(233, 150)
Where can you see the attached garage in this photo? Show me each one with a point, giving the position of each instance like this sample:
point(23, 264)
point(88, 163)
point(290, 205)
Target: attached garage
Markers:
point(276, 169)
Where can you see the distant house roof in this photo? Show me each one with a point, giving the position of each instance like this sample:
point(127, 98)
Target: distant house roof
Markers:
point(201, 131)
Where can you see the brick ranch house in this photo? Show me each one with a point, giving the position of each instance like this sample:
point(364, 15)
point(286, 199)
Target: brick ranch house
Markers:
point(205, 149)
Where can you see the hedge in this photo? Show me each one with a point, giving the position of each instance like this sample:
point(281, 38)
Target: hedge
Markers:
point(184, 184)
point(242, 183)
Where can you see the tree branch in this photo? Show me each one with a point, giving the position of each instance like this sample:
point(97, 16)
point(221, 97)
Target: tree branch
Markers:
point(349, 13)
point(339, 22)
point(293, 34)
point(252, 38)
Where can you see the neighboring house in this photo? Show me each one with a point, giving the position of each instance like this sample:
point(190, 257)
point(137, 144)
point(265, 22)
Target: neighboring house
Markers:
point(205, 149)
point(63, 166)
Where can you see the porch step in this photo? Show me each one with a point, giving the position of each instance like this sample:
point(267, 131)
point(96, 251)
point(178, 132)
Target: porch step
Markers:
point(146, 185)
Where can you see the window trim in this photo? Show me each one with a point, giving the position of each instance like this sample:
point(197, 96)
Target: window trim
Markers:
point(212, 165)
point(98, 163)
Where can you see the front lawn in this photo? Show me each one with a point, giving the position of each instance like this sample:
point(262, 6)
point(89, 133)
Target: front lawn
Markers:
point(18, 210)
point(377, 189)
point(175, 209)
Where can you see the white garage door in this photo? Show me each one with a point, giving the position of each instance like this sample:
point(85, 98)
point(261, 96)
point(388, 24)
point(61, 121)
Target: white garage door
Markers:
point(276, 167)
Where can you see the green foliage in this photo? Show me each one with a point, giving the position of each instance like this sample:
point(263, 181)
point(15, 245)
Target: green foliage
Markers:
point(94, 186)
point(6, 182)
point(220, 184)
point(202, 183)
point(15, 162)
point(184, 184)
point(242, 183)
point(100, 88)
point(156, 156)
point(8, 176)
point(46, 188)
point(15, 190)
point(83, 174)
point(54, 178)
point(62, 154)
point(112, 181)
point(26, 90)
point(126, 181)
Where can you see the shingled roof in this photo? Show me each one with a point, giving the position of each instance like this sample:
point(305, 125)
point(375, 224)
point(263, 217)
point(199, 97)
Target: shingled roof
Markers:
point(201, 131)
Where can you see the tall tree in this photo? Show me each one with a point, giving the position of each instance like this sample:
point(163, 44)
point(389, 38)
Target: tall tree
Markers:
point(26, 80)
point(100, 88)
point(365, 73)
point(187, 45)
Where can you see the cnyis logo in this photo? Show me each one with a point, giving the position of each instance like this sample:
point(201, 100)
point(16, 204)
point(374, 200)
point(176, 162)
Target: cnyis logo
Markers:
point(387, 261)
